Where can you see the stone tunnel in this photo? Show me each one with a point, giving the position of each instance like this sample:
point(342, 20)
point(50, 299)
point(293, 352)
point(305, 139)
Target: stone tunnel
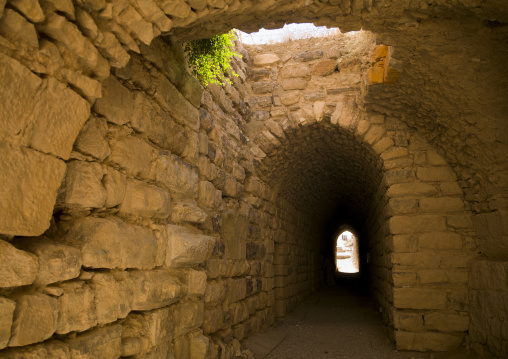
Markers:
point(143, 215)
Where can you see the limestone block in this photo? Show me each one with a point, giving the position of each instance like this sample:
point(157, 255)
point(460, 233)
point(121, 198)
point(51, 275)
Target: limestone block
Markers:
point(402, 205)
point(113, 295)
point(59, 114)
point(116, 104)
point(233, 232)
point(435, 174)
point(427, 259)
point(17, 267)
point(429, 341)
point(112, 49)
point(133, 345)
point(194, 280)
point(403, 243)
point(324, 67)
point(7, 307)
point(319, 109)
point(191, 89)
point(63, 6)
point(263, 87)
point(17, 28)
point(293, 84)
point(237, 289)
point(406, 278)
point(266, 60)
point(85, 86)
point(160, 128)
point(187, 211)
point(446, 322)
point(255, 74)
point(104, 343)
point(51, 349)
point(110, 243)
point(197, 4)
point(57, 262)
point(295, 71)
point(176, 104)
point(308, 56)
point(154, 289)
point(440, 240)
point(290, 98)
point(77, 310)
point(58, 28)
point(187, 316)
point(186, 247)
point(156, 327)
point(177, 8)
point(35, 319)
point(206, 194)
point(133, 155)
point(214, 293)
point(92, 139)
point(213, 320)
point(198, 345)
point(419, 223)
point(176, 175)
point(145, 200)
point(30, 9)
point(82, 186)
point(419, 298)
point(131, 20)
point(488, 275)
point(114, 182)
point(150, 11)
point(407, 320)
point(442, 204)
point(411, 189)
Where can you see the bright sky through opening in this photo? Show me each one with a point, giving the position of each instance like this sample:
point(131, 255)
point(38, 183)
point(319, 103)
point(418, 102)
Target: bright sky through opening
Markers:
point(288, 32)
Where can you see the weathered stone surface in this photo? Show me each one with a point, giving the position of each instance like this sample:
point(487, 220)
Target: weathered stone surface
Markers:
point(51, 349)
point(35, 319)
point(446, 322)
point(414, 224)
point(266, 60)
point(7, 307)
point(308, 56)
point(194, 280)
point(17, 28)
point(186, 247)
point(104, 343)
point(113, 294)
point(58, 28)
point(92, 139)
point(132, 154)
point(293, 84)
point(154, 289)
point(178, 8)
point(145, 200)
point(233, 232)
point(110, 243)
point(174, 174)
point(295, 71)
point(82, 186)
point(114, 182)
point(263, 87)
point(324, 67)
point(187, 317)
point(187, 211)
point(116, 104)
point(237, 289)
point(429, 341)
point(419, 298)
point(57, 262)
point(178, 106)
point(139, 28)
point(17, 267)
point(77, 310)
point(31, 9)
point(58, 114)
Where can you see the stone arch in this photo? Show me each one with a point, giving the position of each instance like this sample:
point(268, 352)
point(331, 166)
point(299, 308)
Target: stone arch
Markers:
point(418, 225)
point(62, 55)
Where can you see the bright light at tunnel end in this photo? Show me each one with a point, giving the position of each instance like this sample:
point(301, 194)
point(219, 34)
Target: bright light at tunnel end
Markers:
point(287, 33)
point(347, 256)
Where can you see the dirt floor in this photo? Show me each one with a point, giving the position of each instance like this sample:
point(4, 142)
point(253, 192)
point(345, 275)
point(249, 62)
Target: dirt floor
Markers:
point(334, 323)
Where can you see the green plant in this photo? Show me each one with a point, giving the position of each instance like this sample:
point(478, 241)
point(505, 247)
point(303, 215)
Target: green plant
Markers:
point(211, 58)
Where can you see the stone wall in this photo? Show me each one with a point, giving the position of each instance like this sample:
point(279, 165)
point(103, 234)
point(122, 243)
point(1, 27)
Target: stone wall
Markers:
point(143, 215)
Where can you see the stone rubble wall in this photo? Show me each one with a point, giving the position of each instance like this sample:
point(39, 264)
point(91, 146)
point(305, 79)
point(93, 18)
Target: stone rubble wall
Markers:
point(420, 235)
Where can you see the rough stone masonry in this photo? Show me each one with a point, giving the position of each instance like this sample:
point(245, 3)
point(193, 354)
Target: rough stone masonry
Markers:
point(144, 216)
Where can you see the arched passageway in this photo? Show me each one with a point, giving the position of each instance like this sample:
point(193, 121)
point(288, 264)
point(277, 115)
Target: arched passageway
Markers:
point(143, 215)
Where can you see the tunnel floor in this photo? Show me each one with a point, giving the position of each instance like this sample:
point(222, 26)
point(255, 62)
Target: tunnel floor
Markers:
point(337, 322)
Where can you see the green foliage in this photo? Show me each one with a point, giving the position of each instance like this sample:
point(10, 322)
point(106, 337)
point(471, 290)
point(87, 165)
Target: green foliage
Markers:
point(211, 58)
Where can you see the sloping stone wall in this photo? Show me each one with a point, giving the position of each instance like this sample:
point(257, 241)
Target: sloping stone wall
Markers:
point(142, 215)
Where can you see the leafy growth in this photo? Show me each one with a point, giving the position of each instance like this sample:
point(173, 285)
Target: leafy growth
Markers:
point(211, 58)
